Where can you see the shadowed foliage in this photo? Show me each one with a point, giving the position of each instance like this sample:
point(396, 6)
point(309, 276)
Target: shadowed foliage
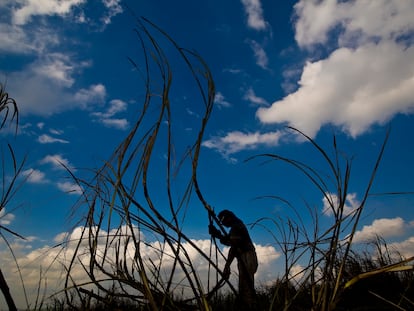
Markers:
point(131, 251)
point(121, 207)
point(329, 268)
point(8, 111)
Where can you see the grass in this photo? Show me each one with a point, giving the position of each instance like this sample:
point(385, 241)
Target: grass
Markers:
point(325, 254)
point(10, 184)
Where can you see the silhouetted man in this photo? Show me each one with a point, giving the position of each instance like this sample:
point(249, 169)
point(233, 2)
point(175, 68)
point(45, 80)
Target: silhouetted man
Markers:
point(242, 248)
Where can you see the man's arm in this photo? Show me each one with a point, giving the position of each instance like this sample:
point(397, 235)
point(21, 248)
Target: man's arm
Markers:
point(216, 233)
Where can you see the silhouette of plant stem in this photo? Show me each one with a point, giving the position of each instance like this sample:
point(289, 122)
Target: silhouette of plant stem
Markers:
point(121, 203)
point(9, 186)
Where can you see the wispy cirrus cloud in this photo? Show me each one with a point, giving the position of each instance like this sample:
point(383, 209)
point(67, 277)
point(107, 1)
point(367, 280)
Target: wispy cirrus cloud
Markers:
point(254, 12)
point(47, 139)
point(221, 101)
point(108, 119)
point(260, 55)
point(236, 141)
point(251, 97)
point(69, 187)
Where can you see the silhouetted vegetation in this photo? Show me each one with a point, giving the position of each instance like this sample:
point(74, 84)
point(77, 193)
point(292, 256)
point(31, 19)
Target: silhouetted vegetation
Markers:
point(112, 255)
point(9, 184)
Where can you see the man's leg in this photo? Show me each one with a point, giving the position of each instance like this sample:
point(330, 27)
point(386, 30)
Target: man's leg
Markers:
point(247, 266)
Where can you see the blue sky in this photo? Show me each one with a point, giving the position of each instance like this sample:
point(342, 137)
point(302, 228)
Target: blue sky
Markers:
point(340, 67)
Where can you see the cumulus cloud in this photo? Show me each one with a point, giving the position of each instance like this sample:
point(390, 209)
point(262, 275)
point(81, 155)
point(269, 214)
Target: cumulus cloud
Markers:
point(44, 86)
point(358, 20)
point(29, 8)
point(34, 176)
point(366, 79)
point(52, 259)
point(352, 89)
point(57, 161)
point(254, 12)
point(384, 228)
point(404, 248)
point(351, 204)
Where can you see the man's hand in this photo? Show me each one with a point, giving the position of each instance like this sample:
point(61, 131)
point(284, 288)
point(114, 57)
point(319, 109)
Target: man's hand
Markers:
point(226, 272)
point(214, 231)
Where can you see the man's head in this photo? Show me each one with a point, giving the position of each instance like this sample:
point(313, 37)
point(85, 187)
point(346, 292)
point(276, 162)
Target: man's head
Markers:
point(226, 217)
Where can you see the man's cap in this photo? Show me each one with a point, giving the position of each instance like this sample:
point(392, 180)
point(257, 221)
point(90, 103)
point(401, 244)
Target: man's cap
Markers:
point(224, 214)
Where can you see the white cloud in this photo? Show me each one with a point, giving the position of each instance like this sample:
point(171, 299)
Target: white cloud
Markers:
point(404, 248)
point(233, 70)
point(56, 67)
point(113, 8)
point(34, 176)
point(366, 79)
point(361, 20)
point(254, 11)
point(50, 259)
point(34, 40)
point(251, 96)
point(35, 94)
point(94, 94)
point(47, 139)
point(116, 106)
point(69, 187)
point(14, 40)
point(107, 118)
point(56, 132)
point(236, 141)
point(352, 89)
point(266, 256)
point(61, 237)
point(5, 218)
point(220, 100)
point(43, 87)
point(260, 54)
point(350, 205)
point(120, 124)
point(384, 228)
point(29, 8)
point(57, 161)
point(315, 19)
